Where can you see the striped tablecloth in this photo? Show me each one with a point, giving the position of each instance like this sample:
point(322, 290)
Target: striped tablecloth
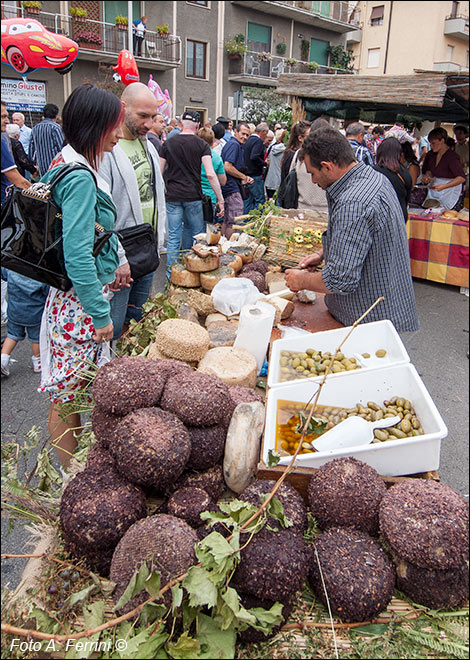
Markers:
point(439, 249)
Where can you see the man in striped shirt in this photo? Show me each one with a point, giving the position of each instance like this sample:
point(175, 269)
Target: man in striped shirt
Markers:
point(365, 246)
point(47, 139)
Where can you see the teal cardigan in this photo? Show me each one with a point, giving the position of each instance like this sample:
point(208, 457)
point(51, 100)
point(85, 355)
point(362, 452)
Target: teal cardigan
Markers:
point(82, 204)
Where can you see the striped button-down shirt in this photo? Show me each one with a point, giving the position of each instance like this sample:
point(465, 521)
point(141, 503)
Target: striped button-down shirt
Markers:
point(47, 140)
point(366, 251)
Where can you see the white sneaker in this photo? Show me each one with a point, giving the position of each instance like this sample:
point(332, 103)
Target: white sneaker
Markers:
point(36, 364)
point(5, 364)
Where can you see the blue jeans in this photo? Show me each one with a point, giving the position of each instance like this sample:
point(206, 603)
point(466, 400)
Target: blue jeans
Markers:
point(185, 219)
point(257, 195)
point(126, 304)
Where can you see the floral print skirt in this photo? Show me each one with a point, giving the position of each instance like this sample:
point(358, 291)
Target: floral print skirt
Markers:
point(67, 347)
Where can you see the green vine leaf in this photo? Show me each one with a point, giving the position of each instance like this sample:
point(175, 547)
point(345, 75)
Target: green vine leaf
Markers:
point(273, 458)
point(214, 642)
point(152, 585)
point(200, 587)
point(135, 586)
point(185, 647)
point(276, 510)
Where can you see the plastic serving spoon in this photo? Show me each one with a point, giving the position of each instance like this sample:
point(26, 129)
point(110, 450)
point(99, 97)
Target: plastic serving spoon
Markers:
point(351, 432)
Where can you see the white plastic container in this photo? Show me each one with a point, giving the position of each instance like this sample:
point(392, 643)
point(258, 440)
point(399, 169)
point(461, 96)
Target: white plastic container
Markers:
point(390, 458)
point(366, 338)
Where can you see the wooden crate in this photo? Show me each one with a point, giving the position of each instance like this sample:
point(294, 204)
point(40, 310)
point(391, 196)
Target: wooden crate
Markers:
point(280, 228)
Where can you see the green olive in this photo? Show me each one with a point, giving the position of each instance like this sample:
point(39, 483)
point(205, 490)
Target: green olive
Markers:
point(398, 433)
point(381, 434)
point(366, 355)
point(381, 353)
point(295, 363)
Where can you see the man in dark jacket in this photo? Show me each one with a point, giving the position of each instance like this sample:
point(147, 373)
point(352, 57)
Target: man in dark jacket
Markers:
point(254, 159)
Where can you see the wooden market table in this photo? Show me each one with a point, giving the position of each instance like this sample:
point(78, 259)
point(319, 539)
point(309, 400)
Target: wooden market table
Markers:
point(439, 249)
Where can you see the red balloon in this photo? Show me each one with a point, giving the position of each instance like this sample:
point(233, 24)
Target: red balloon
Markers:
point(27, 46)
point(126, 68)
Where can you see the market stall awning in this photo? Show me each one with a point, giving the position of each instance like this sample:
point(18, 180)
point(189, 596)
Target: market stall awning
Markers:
point(427, 95)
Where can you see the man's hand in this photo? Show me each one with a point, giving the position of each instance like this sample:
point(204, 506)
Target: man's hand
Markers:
point(248, 180)
point(104, 334)
point(297, 280)
point(123, 278)
point(311, 261)
point(220, 209)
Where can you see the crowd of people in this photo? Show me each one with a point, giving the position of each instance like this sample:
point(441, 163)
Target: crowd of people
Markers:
point(137, 171)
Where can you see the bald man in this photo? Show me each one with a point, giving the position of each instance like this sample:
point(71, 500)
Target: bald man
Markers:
point(133, 173)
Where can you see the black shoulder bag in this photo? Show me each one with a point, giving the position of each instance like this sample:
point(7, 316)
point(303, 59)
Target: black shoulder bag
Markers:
point(288, 192)
point(140, 242)
point(32, 232)
point(207, 208)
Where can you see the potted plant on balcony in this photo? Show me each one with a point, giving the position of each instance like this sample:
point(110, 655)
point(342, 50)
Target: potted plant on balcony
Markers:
point(235, 49)
point(163, 30)
point(78, 14)
point(121, 22)
point(340, 59)
point(32, 6)
point(291, 63)
point(313, 67)
point(281, 48)
point(89, 40)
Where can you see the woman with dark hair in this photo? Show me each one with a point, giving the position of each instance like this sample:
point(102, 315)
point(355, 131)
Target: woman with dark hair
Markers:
point(389, 164)
point(76, 324)
point(409, 160)
point(298, 134)
point(443, 170)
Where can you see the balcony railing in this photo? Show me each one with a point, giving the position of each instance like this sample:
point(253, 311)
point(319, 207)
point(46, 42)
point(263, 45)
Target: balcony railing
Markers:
point(105, 38)
point(265, 65)
point(337, 11)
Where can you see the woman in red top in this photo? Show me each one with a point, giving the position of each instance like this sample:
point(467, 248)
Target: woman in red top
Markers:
point(442, 168)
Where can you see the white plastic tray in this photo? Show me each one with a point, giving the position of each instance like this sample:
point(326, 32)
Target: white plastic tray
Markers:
point(366, 338)
point(391, 458)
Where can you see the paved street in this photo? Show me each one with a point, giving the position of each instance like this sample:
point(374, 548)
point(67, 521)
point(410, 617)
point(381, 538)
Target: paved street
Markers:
point(438, 350)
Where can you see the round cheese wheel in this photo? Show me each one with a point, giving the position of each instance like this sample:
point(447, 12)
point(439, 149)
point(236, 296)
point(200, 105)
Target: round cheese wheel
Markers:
point(180, 276)
point(182, 340)
point(197, 264)
point(232, 260)
point(209, 280)
point(235, 366)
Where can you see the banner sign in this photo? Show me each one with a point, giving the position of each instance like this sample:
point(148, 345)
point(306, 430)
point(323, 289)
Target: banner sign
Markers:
point(23, 95)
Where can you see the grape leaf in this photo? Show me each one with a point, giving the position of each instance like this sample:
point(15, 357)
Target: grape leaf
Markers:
point(185, 647)
point(201, 589)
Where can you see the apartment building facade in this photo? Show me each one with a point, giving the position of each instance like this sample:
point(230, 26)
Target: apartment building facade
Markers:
point(398, 37)
point(191, 60)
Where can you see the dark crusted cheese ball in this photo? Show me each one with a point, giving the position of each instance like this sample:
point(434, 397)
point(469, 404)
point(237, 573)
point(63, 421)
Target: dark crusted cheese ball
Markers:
point(103, 424)
point(426, 523)
point(273, 565)
point(151, 447)
point(188, 504)
point(128, 383)
point(257, 278)
point(96, 509)
point(259, 266)
point(99, 560)
point(198, 399)
point(211, 480)
point(294, 506)
point(346, 492)
point(207, 446)
point(251, 635)
point(358, 575)
point(99, 459)
point(166, 543)
point(434, 589)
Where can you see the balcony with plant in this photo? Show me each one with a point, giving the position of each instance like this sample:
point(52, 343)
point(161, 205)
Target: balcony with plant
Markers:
point(163, 30)
point(122, 22)
point(32, 6)
point(78, 14)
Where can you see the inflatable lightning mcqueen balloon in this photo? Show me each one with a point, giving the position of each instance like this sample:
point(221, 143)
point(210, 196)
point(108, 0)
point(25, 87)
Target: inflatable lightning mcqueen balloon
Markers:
point(27, 46)
point(126, 68)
